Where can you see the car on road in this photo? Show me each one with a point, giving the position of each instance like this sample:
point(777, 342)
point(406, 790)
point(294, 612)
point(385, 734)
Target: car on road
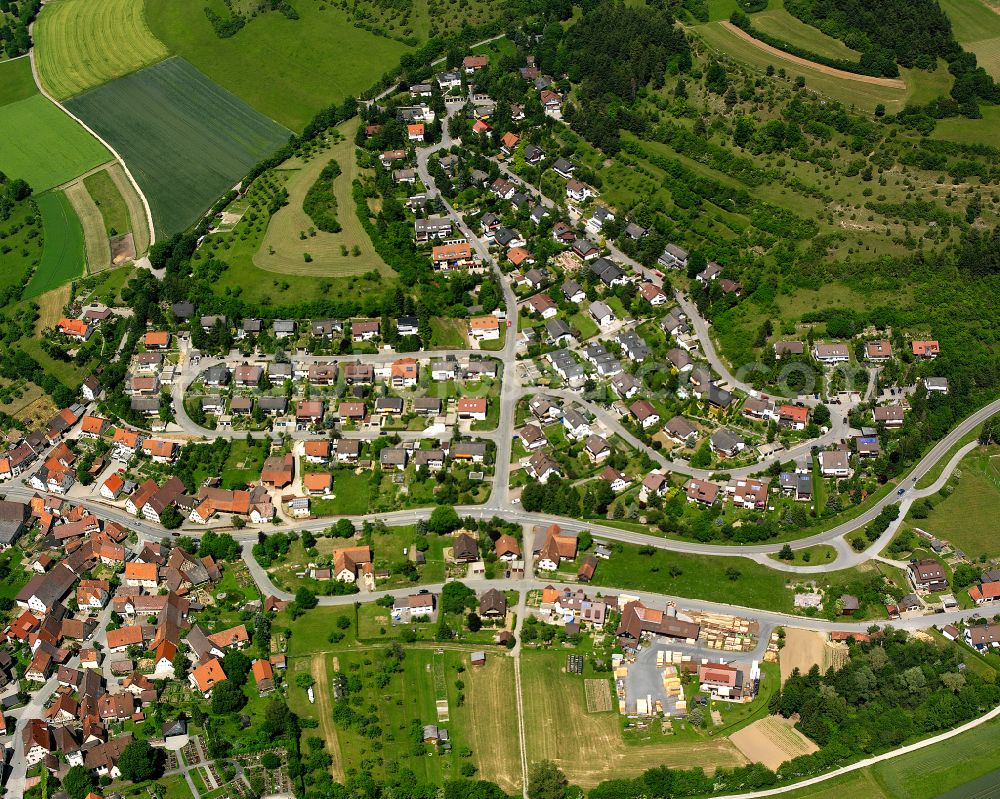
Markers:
point(901, 491)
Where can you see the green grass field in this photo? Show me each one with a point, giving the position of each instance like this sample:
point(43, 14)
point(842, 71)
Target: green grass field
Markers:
point(924, 774)
point(921, 86)
point(969, 131)
point(817, 555)
point(81, 44)
point(239, 249)
point(63, 251)
point(977, 29)
point(706, 577)
point(283, 248)
point(16, 82)
point(286, 69)
point(967, 518)
point(186, 139)
point(449, 333)
point(702, 577)
point(106, 196)
point(776, 21)
point(242, 466)
point(44, 146)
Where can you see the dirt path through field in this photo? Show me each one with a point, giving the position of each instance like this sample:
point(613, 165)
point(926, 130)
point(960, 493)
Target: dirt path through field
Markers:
point(324, 710)
point(892, 83)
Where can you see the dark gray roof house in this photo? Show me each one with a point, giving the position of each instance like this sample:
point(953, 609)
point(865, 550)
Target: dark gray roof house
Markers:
point(217, 375)
point(13, 517)
point(182, 311)
point(389, 405)
point(465, 549)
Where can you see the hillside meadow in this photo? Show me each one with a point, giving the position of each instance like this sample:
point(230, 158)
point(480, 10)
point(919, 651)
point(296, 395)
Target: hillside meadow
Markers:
point(286, 69)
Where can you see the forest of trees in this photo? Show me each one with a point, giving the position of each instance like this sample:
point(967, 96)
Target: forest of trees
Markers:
point(15, 22)
point(892, 689)
point(611, 53)
point(320, 203)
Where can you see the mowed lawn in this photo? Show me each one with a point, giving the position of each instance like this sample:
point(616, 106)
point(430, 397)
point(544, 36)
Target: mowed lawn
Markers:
point(589, 747)
point(185, 138)
point(80, 44)
point(967, 518)
point(970, 131)
point(977, 29)
point(106, 196)
point(43, 145)
point(62, 252)
point(921, 86)
point(16, 82)
point(284, 250)
point(286, 69)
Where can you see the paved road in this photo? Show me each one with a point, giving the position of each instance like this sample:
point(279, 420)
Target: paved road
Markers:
point(531, 582)
point(499, 506)
point(33, 710)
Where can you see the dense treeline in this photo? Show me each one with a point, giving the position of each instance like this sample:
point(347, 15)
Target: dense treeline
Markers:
point(611, 53)
point(688, 143)
point(979, 254)
point(915, 32)
point(226, 27)
point(320, 203)
point(15, 25)
point(876, 62)
point(893, 689)
point(12, 194)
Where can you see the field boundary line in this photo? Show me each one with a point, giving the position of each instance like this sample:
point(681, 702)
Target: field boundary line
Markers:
point(522, 744)
point(889, 83)
point(871, 761)
point(96, 244)
point(44, 92)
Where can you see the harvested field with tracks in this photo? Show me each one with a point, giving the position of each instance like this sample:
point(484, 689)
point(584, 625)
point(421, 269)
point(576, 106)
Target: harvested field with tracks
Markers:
point(95, 237)
point(802, 650)
point(487, 722)
point(81, 44)
point(598, 696)
point(772, 740)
